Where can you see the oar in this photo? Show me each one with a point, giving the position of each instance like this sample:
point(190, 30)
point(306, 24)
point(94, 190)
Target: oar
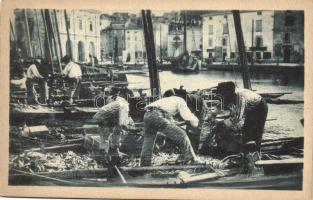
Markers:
point(120, 174)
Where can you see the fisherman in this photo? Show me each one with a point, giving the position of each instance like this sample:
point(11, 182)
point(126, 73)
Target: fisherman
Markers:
point(93, 60)
point(73, 74)
point(112, 119)
point(159, 118)
point(248, 110)
point(33, 76)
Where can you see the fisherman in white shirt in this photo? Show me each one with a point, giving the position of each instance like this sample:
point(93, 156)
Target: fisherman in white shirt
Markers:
point(33, 76)
point(159, 118)
point(73, 73)
point(113, 118)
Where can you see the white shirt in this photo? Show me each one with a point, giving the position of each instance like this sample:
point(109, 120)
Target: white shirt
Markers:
point(72, 70)
point(176, 105)
point(119, 108)
point(32, 72)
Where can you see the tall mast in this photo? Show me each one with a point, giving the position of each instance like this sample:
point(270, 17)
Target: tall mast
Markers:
point(28, 34)
point(185, 32)
point(252, 43)
point(39, 35)
point(150, 48)
point(52, 31)
point(242, 51)
point(68, 35)
point(161, 60)
point(48, 40)
point(57, 31)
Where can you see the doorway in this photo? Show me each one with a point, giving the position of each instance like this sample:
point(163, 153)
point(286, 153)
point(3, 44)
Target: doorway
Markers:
point(287, 51)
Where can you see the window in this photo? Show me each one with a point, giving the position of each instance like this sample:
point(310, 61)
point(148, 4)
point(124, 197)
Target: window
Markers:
point(210, 42)
point(287, 37)
point(289, 20)
point(210, 29)
point(90, 26)
point(225, 16)
point(80, 24)
point(224, 41)
point(210, 18)
point(267, 55)
point(81, 51)
point(258, 25)
point(210, 55)
point(258, 41)
point(258, 55)
point(259, 13)
point(225, 29)
point(232, 55)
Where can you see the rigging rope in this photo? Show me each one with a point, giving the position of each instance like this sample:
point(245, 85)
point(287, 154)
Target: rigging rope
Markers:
point(230, 50)
point(193, 37)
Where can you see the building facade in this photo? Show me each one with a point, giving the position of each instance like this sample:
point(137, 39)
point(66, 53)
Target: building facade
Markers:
point(84, 31)
point(135, 50)
point(269, 36)
point(220, 41)
point(112, 42)
point(289, 36)
point(160, 31)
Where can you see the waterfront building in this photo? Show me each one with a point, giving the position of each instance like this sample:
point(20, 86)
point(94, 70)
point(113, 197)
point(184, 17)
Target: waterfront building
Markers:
point(135, 52)
point(176, 33)
point(219, 36)
point(84, 33)
point(267, 37)
point(289, 36)
point(160, 31)
point(112, 42)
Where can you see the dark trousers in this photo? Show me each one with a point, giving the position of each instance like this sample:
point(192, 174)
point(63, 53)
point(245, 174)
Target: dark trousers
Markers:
point(154, 122)
point(110, 137)
point(32, 93)
point(74, 87)
point(254, 124)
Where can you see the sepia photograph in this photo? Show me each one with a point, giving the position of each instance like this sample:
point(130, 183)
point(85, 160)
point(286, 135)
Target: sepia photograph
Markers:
point(149, 98)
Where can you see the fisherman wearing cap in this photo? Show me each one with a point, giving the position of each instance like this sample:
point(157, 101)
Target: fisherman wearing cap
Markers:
point(248, 110)
point(159, 118)
point(73, 74)
point(112, 118)
point(33, 76)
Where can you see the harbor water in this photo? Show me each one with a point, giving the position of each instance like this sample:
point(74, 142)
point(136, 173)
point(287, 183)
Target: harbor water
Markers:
point(283, 120)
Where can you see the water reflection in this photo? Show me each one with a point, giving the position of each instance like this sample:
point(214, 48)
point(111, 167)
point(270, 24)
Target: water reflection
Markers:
point(265, 82)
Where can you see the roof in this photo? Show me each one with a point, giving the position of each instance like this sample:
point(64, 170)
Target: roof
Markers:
point(228, 12)
point(134, 26)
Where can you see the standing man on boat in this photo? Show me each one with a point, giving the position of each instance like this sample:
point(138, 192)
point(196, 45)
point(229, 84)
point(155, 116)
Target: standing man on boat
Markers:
point(33, 76)
point(248, 110)
point(73, 74)
point(112, 118)
point(159, 118)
